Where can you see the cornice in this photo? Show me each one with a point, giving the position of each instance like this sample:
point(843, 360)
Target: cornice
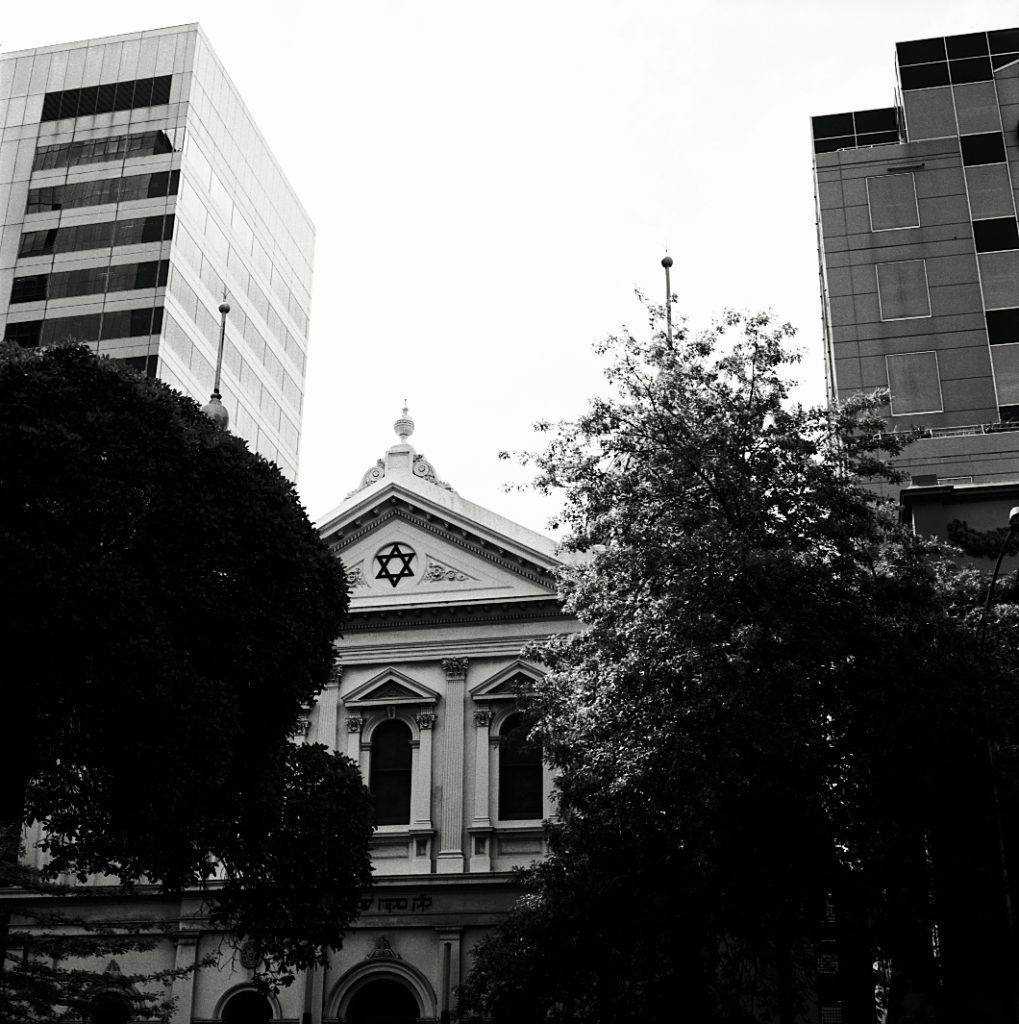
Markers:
point(446, 615)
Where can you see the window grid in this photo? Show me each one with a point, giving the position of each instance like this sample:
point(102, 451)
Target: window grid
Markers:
point(105, 99)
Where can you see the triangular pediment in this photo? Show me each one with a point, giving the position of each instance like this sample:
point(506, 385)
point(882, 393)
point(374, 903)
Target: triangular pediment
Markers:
point(402, 557)
point(506, 683)
point(390, 686)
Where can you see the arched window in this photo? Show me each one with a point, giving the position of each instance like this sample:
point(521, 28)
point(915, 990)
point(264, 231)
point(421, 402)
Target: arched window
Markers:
point(519, 772)
point(389, 778)
point(247, 1007)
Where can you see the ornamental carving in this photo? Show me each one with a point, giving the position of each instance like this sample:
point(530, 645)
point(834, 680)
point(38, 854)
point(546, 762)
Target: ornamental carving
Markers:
point(355, 723)
point(355, 578)
point(426, 719)
point(482, 718)
point(301, 727)
point(383, 950)
point(376, 473)
point(436, 573)
point(250, 957)
point(455, 669)
point(424, 470)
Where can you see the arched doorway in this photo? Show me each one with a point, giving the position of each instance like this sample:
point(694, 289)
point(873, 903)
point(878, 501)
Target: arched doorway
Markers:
point(247, 1007)
point(382, 1002)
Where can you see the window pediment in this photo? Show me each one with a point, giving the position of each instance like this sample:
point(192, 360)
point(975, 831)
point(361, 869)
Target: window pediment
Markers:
point(506, 683)
point(390, 686)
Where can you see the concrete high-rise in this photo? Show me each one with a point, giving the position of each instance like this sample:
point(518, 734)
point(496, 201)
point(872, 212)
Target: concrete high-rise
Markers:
point(919, 253)
point(136, 192)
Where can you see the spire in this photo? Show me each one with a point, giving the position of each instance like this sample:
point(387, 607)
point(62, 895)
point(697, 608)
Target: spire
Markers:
point(214, 408)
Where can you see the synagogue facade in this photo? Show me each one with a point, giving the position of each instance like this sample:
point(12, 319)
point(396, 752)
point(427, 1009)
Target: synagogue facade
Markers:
point(445, 595)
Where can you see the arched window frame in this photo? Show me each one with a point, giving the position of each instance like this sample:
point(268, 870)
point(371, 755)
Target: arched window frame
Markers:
point(247, 987)
point(376, 723)
point(499, 744)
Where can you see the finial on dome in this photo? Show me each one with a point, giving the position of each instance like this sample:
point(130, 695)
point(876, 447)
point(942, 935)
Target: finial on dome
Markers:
point(404, 426)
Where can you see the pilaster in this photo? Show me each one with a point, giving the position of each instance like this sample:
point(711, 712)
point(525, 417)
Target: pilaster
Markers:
point(451, 856)
point(481, 821)
point(183, 988)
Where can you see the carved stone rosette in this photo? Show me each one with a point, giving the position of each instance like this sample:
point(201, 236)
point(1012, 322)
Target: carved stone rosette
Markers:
point(455, 669)
point(426, 719)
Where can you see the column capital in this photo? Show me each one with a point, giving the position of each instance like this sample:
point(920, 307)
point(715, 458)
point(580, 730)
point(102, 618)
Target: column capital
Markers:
point(426, 719)
point(483, 717)
point(455, 669)
point(355, 723)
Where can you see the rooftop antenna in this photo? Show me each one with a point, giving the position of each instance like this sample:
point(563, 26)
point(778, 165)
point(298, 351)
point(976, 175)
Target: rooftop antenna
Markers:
point(667, 263)
point(214, 408)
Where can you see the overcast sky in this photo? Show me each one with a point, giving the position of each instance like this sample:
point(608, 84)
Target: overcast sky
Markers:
point(490, 182)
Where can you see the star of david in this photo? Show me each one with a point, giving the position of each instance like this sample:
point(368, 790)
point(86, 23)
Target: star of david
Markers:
point(401, 555)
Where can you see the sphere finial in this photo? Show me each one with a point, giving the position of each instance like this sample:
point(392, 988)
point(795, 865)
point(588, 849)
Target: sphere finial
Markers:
point(404, 426)
point(666, 262)
point(216, 411)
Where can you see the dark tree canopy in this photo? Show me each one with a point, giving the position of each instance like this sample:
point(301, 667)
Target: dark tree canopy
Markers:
point(169, 610)
point(776, 698)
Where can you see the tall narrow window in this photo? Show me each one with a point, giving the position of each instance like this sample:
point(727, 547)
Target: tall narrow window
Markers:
point(389, 779)
point(519, 772)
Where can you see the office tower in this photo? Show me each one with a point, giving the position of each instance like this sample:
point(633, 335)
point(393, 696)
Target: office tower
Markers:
point(919, 254)
point(135, 193)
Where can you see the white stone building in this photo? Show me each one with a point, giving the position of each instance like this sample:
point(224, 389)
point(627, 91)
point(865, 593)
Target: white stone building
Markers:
point(444, 595)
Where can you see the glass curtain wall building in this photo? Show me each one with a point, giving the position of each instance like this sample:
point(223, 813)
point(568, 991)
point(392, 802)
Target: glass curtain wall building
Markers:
point(135, 192)
point(919, 254)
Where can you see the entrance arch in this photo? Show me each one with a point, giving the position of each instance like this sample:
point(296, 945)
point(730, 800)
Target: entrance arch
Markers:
point(383, 1001)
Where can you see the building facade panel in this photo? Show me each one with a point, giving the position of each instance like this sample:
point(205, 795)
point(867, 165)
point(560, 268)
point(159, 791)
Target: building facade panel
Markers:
point(950, 141)
point(82, 116)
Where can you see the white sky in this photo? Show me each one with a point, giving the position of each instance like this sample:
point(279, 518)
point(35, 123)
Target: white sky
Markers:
point(490, 182)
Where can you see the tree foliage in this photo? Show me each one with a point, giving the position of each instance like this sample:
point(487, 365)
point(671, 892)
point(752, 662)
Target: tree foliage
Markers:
point(776, 699)
point(170, 611)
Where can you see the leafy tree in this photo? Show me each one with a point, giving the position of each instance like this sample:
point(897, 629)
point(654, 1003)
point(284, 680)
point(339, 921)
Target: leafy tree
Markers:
point(169, 612)
point(776, 700)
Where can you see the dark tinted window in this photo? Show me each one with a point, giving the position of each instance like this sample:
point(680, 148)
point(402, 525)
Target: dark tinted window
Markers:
point(972, 45)
point(831, 125)
point(102, 192)
point(84, 327)
point(103, 99)
point(883, 119)
point(986, 148)
point(519, 772)
point(25, 333)
point(1004, 41)
point(28, 289)
point(389, 778)
point(921, 51)
point(1003, 326)
point(142, 364)
point(93, 151)
point(974, 69)
point(996, 234)
point(924, 76)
